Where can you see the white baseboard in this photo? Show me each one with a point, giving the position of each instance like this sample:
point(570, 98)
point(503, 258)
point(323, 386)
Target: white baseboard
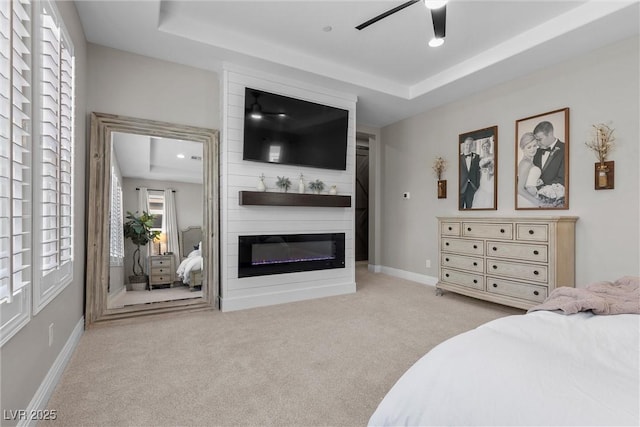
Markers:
point(408, 275)
point(44, 392)
point(374, 268)
point(265, 299)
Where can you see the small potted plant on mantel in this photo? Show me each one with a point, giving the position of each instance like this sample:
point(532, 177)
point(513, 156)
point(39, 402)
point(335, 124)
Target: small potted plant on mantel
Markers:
point(138, 229)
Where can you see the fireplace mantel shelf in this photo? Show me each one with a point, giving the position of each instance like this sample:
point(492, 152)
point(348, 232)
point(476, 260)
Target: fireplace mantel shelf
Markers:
point(293, 199)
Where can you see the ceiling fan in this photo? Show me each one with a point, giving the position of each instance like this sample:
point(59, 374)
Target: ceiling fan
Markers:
point(255, 110)
point(438, 16)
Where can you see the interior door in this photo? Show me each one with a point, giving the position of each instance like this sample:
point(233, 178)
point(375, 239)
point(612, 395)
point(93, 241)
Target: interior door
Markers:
point(362, 203)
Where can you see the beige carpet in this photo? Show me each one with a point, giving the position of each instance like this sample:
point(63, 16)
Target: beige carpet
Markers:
point(322, 362)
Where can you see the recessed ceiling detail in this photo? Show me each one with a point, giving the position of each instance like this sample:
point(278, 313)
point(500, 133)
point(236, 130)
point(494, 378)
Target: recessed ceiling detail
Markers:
point(389, 66)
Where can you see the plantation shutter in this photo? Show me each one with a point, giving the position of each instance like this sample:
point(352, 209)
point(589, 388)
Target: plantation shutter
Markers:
point(15, 153)
point(56, 159)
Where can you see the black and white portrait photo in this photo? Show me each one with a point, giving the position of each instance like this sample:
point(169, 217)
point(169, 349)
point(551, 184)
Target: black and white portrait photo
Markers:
point(542, 161)
point(477, 169)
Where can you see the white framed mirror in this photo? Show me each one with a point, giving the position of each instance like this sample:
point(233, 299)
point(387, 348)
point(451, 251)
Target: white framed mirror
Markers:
point(113, 138)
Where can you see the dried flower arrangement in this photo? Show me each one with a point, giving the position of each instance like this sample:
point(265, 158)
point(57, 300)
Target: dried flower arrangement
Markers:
point(602, 141)
point(439, 166)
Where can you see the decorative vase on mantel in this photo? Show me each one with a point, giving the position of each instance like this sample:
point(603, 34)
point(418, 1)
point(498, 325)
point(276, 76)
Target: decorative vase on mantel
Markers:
point(261, 184)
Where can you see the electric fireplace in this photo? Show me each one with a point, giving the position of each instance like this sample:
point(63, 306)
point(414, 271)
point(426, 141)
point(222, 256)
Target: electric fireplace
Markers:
point(289, 253)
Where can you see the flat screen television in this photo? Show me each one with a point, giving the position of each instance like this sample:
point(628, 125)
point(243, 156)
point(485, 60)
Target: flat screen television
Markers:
point(284, 130)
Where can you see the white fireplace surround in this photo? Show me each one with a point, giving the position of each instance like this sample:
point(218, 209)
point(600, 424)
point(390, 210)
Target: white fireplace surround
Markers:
point(240, 175)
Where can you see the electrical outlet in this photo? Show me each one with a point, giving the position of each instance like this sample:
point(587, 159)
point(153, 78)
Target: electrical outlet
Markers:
point(428, 263)
point(406, 195)
point(50, 335)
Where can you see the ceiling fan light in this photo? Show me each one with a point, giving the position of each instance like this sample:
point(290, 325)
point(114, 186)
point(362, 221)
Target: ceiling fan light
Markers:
point(434, 4)
point(436, 41)
point(256, 111)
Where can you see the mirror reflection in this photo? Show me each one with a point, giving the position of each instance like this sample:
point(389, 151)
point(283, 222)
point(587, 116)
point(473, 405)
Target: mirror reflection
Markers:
point(159, 258)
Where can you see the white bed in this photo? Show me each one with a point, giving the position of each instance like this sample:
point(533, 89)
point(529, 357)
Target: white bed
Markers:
point(191, 266)
point(542, 368)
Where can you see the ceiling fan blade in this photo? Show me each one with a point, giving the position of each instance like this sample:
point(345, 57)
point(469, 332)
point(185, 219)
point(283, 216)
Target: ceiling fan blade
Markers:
point(385, 14)
point(439, 18)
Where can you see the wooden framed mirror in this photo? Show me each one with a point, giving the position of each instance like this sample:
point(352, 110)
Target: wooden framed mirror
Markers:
point(103, 129)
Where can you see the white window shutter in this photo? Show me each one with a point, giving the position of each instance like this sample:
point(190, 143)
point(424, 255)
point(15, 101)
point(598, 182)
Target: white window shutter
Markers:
point(55, 177)
point(15, 166)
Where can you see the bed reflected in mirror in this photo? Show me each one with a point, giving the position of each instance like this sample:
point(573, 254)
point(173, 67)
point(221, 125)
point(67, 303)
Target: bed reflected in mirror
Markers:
point(170, 172)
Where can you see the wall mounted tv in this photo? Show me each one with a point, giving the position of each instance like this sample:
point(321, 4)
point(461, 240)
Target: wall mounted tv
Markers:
point(283, 130)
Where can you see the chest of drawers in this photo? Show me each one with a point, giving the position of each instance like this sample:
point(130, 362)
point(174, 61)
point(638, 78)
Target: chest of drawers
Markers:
point(511, 261)
point(161, 270)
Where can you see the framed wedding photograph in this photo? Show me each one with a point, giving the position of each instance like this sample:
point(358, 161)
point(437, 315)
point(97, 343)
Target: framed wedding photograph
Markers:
point(542, 161)
point(478, 169)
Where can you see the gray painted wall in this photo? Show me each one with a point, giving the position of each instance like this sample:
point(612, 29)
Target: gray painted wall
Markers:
point(601, 86)
point(26, 358)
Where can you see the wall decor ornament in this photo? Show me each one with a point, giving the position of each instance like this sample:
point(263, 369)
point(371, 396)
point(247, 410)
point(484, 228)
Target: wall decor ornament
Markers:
point(301, 186)
point(316, 186)
point(439, 166)
point(283, 183)
point(261, 185)
point(478, 171)
point(542, 161)
point(602, 143)
point(333, 190)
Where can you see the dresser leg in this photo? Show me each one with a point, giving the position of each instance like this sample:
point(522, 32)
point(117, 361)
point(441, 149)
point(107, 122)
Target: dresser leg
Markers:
point(439, 292)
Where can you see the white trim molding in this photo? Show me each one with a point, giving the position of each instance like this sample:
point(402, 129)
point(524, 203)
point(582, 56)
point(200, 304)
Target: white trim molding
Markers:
point(44, 392)
point(408, 275)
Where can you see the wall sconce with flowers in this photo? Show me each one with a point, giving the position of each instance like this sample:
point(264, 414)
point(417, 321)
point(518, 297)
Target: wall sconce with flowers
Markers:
point(602, 142)
point(439, 166)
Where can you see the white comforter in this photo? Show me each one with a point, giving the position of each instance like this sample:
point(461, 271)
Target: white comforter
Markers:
point(542, 368)
point(192, 263)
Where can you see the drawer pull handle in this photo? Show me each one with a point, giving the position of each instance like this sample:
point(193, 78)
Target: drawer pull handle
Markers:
point(475, 246)
point(536, 272)
point(536, 252)
point(536, 293)
point(446, 244)
point(468, 228)
point(446, 259)
point(495, 267)
point(495, 249)
point(475, 280)
point(530, 231)
point(475, 264)
point(450, 228)
point(502, 230)
point(495, 285)
point(447, 275)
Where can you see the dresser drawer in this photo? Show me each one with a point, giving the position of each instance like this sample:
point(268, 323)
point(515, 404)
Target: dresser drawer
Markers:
point(462, 262)
point(491, 231)
point(158, 271)
point(462, 246)
point(160, 262)
point(534, 272)
point(450, 228)
point(532, 232)
point(160, 279)
point(517, 290)
point(469, 280)
point(519, 251)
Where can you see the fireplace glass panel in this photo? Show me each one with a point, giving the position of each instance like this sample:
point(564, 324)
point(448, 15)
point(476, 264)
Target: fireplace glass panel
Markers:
point(278, 254)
